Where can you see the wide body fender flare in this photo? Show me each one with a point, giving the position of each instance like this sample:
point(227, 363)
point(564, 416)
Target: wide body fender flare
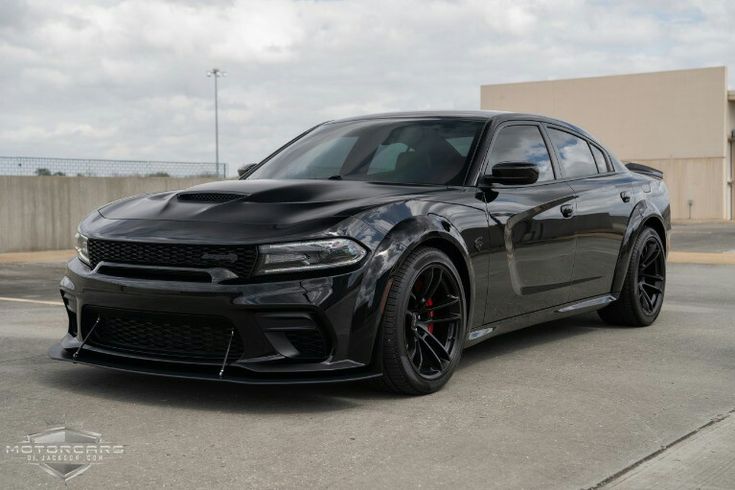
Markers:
point(396, 246)
point(644, 215)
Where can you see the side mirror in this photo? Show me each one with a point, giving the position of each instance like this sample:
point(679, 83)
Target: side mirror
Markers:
point(512, 173)
point(245, 169)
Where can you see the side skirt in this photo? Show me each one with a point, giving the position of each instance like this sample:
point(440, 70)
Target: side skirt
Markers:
point(493, 329)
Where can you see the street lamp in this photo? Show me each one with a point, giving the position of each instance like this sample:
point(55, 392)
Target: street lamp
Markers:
point(216, 73)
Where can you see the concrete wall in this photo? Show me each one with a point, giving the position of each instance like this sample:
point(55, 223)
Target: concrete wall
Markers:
point(730, 164)
point(675, 120)
point(42, 213)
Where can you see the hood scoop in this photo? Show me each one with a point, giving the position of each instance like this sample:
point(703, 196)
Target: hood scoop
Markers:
point(218, 197)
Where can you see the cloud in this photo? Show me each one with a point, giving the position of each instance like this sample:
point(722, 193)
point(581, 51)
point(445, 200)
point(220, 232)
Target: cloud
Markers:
point(126, 79)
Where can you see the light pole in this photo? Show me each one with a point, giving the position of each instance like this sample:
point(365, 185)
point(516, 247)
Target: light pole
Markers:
point(216, 73)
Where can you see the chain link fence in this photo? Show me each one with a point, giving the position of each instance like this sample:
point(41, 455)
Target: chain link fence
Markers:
point(108, 168)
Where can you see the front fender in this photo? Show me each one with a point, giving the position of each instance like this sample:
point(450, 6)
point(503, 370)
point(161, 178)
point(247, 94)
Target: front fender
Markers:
point(391, 252)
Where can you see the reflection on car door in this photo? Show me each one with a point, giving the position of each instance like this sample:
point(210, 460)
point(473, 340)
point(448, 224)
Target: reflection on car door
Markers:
point(601, 217)
point(531, 233)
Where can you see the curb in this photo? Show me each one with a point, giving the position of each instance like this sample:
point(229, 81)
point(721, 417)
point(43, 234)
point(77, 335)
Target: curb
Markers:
point(47, 256)
point(701, 258)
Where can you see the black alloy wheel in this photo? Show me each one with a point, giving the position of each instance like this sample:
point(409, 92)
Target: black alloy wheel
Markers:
point(424, 324)
point(433, 317)
point(642, 295)
point(651, 270)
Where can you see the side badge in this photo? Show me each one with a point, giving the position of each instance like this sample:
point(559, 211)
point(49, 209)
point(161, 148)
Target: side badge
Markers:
point(479, 243)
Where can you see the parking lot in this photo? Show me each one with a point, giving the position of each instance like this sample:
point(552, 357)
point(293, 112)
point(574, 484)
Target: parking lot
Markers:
point(571, 404)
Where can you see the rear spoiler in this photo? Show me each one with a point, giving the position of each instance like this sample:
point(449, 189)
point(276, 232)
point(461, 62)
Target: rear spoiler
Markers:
point(639, 168)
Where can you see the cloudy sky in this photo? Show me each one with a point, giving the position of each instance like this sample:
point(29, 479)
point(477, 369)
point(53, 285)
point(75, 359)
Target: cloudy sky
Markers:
point(126, 79)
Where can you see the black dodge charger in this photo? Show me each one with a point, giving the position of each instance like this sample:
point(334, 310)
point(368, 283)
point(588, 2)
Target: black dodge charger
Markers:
point(374, 247)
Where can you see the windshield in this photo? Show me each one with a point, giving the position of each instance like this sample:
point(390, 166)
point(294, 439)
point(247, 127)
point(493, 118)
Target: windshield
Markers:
point(410, 151)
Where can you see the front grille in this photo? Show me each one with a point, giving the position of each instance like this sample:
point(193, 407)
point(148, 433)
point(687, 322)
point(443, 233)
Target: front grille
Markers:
point(238, 259)
point(209, 197)
point(162, 334)
point(310, 343)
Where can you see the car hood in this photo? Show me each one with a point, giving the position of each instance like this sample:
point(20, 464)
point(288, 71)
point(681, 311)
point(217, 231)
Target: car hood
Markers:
point(262, 202)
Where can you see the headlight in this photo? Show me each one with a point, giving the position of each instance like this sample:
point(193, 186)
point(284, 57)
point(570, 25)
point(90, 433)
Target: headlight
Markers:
point(308, 256)
point(80, 244)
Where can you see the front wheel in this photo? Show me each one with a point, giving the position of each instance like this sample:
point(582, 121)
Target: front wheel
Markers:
point(642, 295)
point(423, 325)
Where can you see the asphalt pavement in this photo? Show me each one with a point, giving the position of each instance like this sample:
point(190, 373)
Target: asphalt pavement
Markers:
point(570, 404)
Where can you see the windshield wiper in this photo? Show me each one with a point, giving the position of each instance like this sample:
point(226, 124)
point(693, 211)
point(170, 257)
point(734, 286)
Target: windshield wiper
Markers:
point(335, 177)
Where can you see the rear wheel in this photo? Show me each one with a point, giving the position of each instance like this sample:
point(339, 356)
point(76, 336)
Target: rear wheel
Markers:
point(423, 325)
point(642, 295)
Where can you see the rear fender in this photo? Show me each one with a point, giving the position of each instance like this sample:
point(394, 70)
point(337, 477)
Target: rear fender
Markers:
point(644, 214)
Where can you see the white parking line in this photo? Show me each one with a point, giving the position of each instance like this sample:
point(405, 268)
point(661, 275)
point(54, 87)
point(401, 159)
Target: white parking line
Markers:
point(36, 301)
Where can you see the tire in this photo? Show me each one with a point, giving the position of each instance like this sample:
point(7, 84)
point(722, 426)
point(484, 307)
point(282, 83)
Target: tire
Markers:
point(415, 319)
point(641, 298)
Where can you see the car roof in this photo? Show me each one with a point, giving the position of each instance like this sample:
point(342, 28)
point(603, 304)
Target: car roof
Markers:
point(486, 115)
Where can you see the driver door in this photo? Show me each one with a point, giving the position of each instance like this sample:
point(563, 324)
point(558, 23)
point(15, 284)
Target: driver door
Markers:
point(532, 236)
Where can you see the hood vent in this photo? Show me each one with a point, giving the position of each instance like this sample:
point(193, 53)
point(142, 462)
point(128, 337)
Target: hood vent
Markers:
point(209, 197)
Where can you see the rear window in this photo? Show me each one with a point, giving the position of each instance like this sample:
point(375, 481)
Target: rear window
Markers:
point(575, 157)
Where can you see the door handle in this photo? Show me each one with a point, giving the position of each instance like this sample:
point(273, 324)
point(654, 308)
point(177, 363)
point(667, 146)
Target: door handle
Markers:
point(567, 210)
point(625, 196)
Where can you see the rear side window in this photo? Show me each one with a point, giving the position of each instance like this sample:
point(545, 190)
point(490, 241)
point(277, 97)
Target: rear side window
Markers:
point(521, 144)
point(575, 156)
point(599, 159)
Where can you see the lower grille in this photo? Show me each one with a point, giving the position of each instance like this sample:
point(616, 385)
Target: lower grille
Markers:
point(310, 343)
point(162, 334)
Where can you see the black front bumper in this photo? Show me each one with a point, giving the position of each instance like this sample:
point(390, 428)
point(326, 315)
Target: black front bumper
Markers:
point(269, 320)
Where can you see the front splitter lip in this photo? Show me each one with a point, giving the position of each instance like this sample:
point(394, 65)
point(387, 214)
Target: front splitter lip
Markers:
point(57, 352)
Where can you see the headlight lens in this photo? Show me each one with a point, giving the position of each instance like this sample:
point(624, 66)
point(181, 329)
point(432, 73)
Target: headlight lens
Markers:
point(308, 256)
point(80, 244)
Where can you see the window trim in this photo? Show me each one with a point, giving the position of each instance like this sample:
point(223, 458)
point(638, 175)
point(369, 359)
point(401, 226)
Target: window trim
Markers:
point(604, 156)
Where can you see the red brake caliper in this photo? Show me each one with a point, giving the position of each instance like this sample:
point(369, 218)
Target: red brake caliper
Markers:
point(430, 326)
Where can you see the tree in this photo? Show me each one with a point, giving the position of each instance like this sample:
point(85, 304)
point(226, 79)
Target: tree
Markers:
point(44, 172)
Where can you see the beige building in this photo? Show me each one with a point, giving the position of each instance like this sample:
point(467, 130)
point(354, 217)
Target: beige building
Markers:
point(680, 122)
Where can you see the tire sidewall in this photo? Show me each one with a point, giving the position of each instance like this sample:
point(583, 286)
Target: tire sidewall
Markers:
point(415, 266)
point(636, 257)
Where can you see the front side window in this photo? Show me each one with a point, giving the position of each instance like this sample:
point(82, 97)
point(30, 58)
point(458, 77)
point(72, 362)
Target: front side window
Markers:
point(405, 150)
point(575, 156)
point(521, 144)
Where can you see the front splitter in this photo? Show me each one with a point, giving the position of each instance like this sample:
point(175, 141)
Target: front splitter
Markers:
point(120, 363)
